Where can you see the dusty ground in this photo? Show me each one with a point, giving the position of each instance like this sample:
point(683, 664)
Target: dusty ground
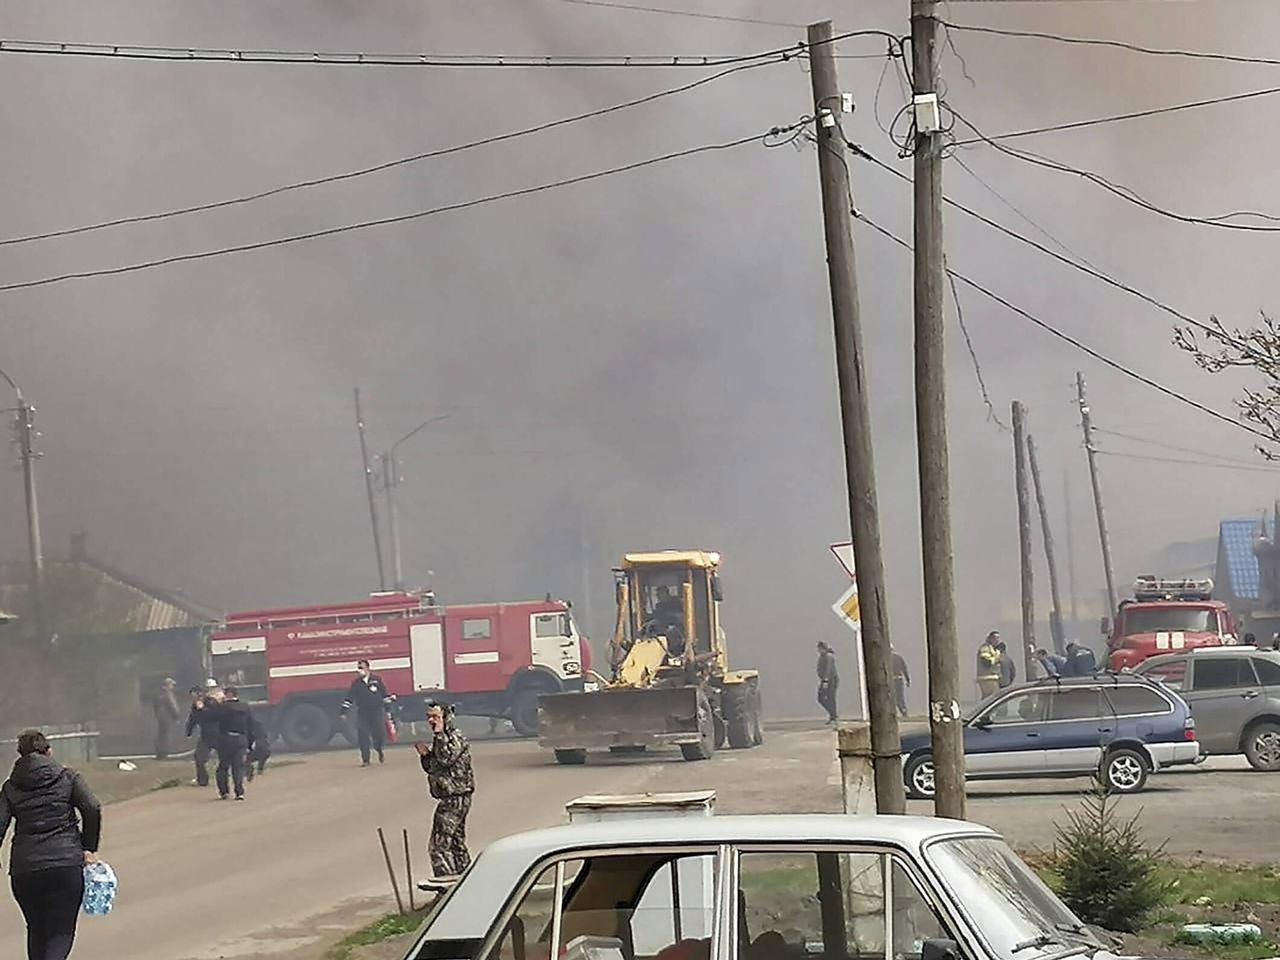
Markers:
point(298, 864)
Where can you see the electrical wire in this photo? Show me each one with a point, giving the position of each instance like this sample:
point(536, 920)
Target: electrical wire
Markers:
point(385, 165)
point(1187, 462)
point(693, 14)
point(973, 354)
point(1067, 338)
point(1117, 44)
point(399, 218)
point(1137, 438)
point(1128, 194)
point(1121, 117)
point(302, 57)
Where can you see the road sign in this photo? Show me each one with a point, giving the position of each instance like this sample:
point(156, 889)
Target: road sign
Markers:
point(843, 553)
point(847, 607)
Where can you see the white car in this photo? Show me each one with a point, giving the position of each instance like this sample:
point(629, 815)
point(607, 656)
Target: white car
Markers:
point(819, 887)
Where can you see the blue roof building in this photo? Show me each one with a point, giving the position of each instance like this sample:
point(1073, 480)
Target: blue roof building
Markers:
point(1237, 577)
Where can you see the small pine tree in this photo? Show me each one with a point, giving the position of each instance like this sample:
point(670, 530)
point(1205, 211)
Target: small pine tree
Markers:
point(1107, 872)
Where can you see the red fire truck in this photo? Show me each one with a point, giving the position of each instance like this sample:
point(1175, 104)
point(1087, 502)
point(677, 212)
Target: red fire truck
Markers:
point(488, 659)
point(1165, 616)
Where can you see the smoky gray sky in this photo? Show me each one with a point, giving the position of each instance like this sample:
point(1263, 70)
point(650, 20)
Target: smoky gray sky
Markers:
point(644, 361)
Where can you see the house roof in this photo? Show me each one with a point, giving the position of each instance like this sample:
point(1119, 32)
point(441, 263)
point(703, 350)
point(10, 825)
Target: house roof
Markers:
point(1236, 540)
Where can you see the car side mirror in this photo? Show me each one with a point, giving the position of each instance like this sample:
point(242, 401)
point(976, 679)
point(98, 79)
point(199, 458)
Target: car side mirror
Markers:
point(940, 950)
point(982, 722)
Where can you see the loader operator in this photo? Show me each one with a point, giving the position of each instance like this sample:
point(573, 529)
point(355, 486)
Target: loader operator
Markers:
point(668, 620)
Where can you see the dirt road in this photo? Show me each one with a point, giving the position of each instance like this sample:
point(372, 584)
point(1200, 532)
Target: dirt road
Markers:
point(298, 864)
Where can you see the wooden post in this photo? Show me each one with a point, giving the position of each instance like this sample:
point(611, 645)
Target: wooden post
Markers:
point(1024, 536)
point(1046, 533)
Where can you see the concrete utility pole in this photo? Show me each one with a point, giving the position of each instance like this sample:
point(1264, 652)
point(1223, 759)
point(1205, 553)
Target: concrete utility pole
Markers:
point(1086, 424)
point(855, 416)
point(391, 481)
point(24, 435)
point(1046, 533)
point(368, 489)
point(1071, 554)
point(1024, 535)
point(931, 420)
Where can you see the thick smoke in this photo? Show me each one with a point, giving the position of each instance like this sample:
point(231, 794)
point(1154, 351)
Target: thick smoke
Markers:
point(640, 362)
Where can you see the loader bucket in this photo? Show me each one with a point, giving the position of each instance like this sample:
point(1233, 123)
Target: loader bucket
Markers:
point(630, 717)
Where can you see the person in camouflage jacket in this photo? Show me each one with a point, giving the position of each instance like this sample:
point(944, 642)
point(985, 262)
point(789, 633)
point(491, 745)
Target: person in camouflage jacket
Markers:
point(447, 763)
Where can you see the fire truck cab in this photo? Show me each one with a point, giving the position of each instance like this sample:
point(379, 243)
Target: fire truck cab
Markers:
point(1166, 616)
point(488, 659)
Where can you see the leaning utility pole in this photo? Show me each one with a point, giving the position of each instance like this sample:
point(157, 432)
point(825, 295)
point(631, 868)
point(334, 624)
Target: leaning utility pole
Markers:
point(855, 416)
point(1024, 535)
point(1071, 554)
point(1046, 533)
point(368, 489)
point(25, 433)
point(931, 420)
point(1086, 424)
point(391, 480)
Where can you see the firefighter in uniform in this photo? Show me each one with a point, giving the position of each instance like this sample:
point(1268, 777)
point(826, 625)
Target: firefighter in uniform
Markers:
point(447, 763)
point(368, 694)
point(204, 718)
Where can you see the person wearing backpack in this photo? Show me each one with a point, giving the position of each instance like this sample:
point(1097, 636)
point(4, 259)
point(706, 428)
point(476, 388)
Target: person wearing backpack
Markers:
point(57, 823)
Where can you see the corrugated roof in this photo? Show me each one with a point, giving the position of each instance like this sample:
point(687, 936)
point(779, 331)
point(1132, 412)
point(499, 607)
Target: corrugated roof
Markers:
point(1237, 538)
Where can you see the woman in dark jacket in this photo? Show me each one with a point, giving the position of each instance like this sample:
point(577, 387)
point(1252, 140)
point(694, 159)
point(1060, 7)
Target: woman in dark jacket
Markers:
point(50, 846)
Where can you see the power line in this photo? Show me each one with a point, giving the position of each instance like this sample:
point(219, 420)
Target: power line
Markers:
point(638, 8)
point(303, 57)
point(1187, 462)
point(386, 165)
point(1128, 194)
point(401, 218)
point(973, 354)
point(1117, 44)
point(1137, 438)
point(1121, 117)
point(1067, 338)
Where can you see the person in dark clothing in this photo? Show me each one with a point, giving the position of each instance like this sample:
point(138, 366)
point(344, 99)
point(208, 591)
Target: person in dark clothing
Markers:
point(447, 763)
point(828, 681)
point(167, 713)
point(261, 751)
point(1053, 664)
point(41, 799)
point(1080, 661)
point(901, 680)
point(369, 695)
point(235, 740)
point(203, 717)
point(1008, 669)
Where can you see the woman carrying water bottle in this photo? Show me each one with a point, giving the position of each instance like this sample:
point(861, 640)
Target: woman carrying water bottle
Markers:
point(50, 845)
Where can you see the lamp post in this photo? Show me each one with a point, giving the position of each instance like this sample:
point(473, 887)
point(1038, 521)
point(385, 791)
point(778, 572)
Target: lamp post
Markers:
point(391, 480)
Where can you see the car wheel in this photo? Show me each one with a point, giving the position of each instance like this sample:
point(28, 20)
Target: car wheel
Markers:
point(1125, 771)
point(919, 777)
point(1262, 746)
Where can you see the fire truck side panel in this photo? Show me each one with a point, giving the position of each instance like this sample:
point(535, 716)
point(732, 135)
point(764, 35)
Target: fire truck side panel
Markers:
point(314, 658)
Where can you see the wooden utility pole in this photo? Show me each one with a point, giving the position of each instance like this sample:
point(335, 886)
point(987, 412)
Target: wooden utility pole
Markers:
point(931, 420)
point(1046, 533)
point(1086, 424)
point(855, 416)
point(24, 428)
point(368, 489)
point(1024, 535)
point(1071, 554)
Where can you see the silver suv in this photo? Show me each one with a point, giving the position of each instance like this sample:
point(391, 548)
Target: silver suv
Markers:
point(1234, 694)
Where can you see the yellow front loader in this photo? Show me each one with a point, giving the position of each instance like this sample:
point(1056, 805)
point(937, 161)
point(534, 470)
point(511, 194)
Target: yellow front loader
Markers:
point(669, 683)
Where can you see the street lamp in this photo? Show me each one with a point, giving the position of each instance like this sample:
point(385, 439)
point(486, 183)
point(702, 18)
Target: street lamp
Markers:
point(391, 480)
point(24, 433)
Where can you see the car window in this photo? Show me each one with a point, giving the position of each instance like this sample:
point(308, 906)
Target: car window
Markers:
point(1075, 703)
point(1268, 671)
point(530, 924)
point(1025, 707)
point(1134, 701)
point(793, 904)
point(1221, 673)
point(1173, 673)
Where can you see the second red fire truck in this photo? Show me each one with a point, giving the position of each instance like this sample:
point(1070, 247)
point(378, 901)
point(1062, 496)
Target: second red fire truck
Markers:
point(489, 659)
point(1166, 616)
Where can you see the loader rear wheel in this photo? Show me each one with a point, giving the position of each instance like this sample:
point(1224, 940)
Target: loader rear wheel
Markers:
point(737, 701)
point(702, 750)
point(571, 758)
point(757, 718)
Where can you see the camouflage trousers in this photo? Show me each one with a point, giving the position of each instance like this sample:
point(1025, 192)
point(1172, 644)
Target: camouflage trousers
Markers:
point(448, 844)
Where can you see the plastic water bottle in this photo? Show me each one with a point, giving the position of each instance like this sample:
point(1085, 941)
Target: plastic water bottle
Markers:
point(99, 889)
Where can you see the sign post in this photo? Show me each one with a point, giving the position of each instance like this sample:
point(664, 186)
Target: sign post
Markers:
point(848, 609)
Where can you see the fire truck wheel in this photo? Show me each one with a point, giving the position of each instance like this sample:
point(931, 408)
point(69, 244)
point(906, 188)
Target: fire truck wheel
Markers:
point(524, 713)
point(306, 726)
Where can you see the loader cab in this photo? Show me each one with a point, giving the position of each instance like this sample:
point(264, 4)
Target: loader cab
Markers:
point(676, 595)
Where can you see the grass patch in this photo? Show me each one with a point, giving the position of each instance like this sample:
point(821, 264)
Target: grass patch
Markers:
point(392, 925)
point(1223, 883)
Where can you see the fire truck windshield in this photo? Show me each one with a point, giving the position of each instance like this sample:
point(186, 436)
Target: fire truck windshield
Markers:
point(1185, 619)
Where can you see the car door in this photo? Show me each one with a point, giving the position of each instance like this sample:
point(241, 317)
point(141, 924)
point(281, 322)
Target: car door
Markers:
point(1268, 671)
point(1073, 735)
point(1223, 695)
point(1005, 739)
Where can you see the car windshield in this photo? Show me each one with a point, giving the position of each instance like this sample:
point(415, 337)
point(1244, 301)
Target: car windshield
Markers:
point(1005, 902)
point(1163, 619)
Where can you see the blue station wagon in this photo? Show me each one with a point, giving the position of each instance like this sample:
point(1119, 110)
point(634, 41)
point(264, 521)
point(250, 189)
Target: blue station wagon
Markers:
point(1119, 728)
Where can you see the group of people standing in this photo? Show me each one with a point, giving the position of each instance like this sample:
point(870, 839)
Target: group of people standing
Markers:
point(226, 727)
point(829, 680)
point(997, 668)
